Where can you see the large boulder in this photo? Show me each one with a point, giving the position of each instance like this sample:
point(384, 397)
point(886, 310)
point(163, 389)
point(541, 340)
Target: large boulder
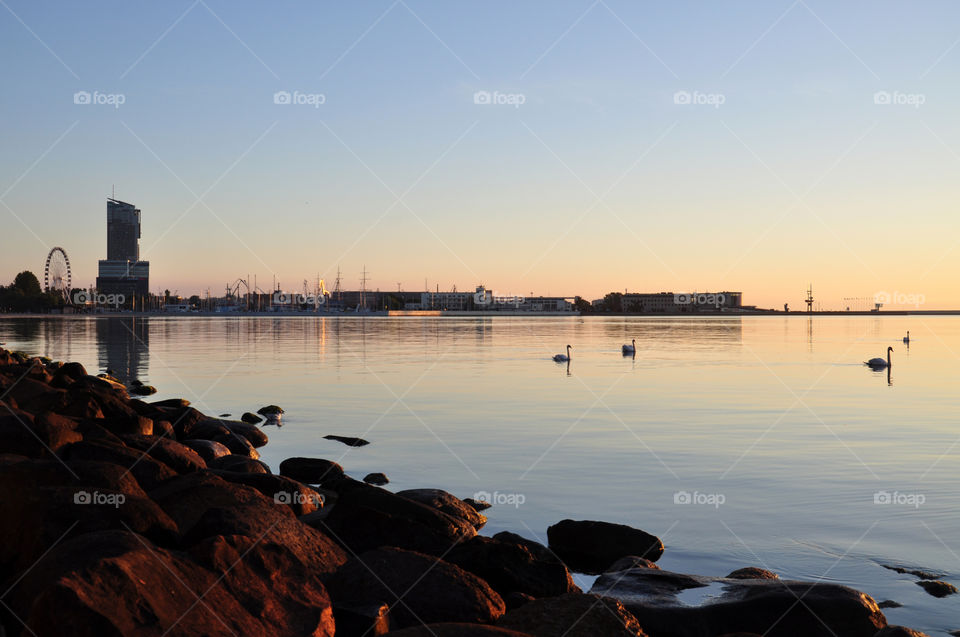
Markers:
point(714, 605)
point(311, 470)
point(148, 471)
point(419, 588)
point(208, 450)
point(449, 504)
point(511, 567)
point(300, 498)
point(241, 464)
point(43, 435)
point(573, 615)
point(590, 546)
point(175, 455)
point(366, 517)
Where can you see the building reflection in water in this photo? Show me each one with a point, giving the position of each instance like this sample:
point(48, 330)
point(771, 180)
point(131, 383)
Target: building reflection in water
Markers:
point(123, 347)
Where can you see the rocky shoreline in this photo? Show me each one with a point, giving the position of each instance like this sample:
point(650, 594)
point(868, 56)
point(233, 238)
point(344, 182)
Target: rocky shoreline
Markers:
point(123, 517)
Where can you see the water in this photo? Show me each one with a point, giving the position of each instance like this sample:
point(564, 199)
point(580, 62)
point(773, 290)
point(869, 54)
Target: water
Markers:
point(746, 441)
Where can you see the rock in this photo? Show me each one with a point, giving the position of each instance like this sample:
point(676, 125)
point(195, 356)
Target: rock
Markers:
point(240, 464)
point(175, 455)
point(249, 418)
point(207, 449)
point(478, 505)
point(311, 470)
point(73, 371)
point(752, 572)
point(224, 415)
point(301, 499)
point(144, 390)
point(171, 402)
point(350, 442)
point(254, 435)
point(270, 410)
point(573, 615)
point(767, 607)
point(21, 433)
point(449, 504)
point(376, 479)
point(937, 588)
point(116, 583)
point(163, 429)
point(510, 567)
point(914, 571)
point(358, 620)
point(148, 471)
point(899, 631)
point(33, 395)
point(632, 561)
point(591, 546)
point(889, 603)
point(237, 445)
point(516, 599)
point(366, 517)
point(452, 629)
point(431, 589)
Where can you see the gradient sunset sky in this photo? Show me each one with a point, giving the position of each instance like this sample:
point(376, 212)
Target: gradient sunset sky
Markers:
point(668, 146)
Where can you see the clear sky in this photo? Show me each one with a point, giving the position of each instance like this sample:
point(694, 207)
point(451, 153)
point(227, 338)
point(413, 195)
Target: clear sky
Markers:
point(588, 172)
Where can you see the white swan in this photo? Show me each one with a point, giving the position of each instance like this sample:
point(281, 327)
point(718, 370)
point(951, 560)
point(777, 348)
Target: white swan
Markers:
point(906, 339)
point(879, 363)
point(561, 357)
point(629, 349)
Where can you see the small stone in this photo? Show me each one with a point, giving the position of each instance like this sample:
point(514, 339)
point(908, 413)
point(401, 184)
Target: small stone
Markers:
point(250, 419)
point(270, 410)
point(889, 603)
point(752, 572)
point(350, 442)
point(376, 479)
point(144, 390)
point(937, 588)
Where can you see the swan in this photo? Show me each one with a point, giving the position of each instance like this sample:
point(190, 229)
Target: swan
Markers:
point(629, 349)
point(561, 357)
point(879, 363)
point(906, 339)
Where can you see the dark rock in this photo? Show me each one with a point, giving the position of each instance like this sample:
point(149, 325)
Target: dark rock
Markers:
point(376, 479)
point(357, 620)
point(172, 402)
point(916, 572)
point(573, 615)
point(241, 464)
point(251, 419)
point(752, 572)
point(937, 588)
point(73, 371)
point(734, 605)
point(148, 471)
point(144, 390)
point(510, 567)
point(163, 429)
point(301, 499)
point(207, 449)
point(254, 435)
point(889, 603)
point(224, 415)
point(175, 455)
point(478, 505)
point(33, 395)
point(431, 589)
point(237, 445)
point(516, 600)
point(900, 631)
point(590, 546)
point(21, 433)
point(350, 442)
point(311, 470)
point(366, 517)
point(453, 629)
point(449, 504)
point(632, 561)
point(270, 410)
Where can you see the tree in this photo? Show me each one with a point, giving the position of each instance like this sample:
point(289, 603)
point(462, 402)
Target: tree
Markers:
point(28, 284)
point(582, 305)
point(194, 300)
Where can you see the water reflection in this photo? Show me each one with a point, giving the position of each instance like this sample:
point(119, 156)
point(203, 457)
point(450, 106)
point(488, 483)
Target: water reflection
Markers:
point(123, 347)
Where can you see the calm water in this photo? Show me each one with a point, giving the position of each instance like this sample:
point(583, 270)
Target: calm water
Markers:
point(781, 437)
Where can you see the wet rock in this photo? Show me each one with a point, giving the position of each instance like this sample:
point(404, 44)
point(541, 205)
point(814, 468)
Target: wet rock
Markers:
point(752, 572)
point(573, 615)
point(144, 390)
point(449, 504)
point(175, 403)
point(452, 629)
point(478, 505)
point(350, 442)
point(270, 410)
point(237, 445)
point(175, 455)
point(591, 546)
point(510, 567)
point(207, 449)
point(937, 588)
point(889, 603)
point(241, 464)
point(73, 371)
point(632, 561)
point(301, 499)
point(432, 590)
point(311, 470)
point(254, 435)
point(916, 572)
point(376, 479)
point(250, 419)
point(715, 605)
point(366, 517)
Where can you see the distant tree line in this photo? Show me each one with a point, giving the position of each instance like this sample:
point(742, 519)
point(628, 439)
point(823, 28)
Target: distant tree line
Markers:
point(26, 295)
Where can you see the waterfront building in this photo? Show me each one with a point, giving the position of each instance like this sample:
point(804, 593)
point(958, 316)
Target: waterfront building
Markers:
point(122, 272)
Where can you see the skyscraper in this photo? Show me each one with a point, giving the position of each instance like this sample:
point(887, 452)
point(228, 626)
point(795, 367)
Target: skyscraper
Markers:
point(122, 272)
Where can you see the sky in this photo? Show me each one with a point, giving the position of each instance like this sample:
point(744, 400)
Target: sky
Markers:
point(562, 147)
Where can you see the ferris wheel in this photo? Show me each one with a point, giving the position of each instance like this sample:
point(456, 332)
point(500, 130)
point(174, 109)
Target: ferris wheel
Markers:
point(56, 272)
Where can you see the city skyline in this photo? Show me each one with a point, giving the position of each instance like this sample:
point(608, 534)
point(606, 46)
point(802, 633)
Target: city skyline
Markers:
point(605, 147)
